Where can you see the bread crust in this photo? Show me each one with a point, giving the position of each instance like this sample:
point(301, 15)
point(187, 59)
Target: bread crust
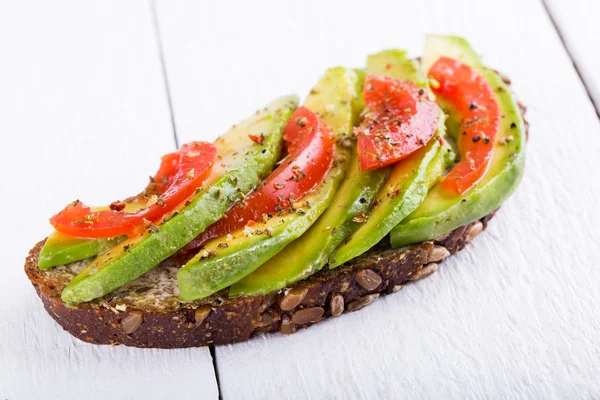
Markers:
point(221, 320)
point(168, 322)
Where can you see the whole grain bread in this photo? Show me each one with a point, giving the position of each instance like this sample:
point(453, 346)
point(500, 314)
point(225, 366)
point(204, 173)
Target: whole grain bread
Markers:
point(149, 313)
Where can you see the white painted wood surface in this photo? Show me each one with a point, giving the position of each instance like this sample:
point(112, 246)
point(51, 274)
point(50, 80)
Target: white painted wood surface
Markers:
point(516, 315)
point(577, 21)
point(83, 115)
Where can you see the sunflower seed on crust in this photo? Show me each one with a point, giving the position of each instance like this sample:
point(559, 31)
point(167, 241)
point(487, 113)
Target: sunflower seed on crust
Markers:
point(268, 302)
point(287, 326)
point(336, 305)
point(368, 279)
point(361, 302)
point(437, 253)
point(266, 319)
point(473, 231)
point(292, 298)
point(132, 322)
point(424, 272)
point(307, 315)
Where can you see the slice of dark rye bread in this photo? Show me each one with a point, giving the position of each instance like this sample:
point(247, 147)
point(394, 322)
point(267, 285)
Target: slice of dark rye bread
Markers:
point(149, 313)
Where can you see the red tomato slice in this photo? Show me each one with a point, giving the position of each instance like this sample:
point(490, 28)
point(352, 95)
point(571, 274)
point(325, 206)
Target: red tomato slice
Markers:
point(79, 220)
point(310, 146)
point(179, 175)
point(473, 98)
point(401, 119)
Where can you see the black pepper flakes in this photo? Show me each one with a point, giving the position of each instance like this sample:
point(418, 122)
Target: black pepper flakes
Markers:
point(207, 254)
point(302, 121)
point(151, 228)
point(375, 203)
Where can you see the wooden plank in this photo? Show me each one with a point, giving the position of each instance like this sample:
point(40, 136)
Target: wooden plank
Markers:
point(513, 316)
point(577, 21)
point(84, 114)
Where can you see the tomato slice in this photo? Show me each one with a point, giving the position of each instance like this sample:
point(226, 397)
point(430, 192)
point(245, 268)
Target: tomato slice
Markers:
point(310, 146)
point(401, 119)
point(473, 98)
point(180, 173)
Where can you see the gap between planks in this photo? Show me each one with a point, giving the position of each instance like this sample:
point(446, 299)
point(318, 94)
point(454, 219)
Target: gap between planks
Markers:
point(156, 28)
point(163, 63)
point(163, 67)
point(570, 55)
point(213, 354)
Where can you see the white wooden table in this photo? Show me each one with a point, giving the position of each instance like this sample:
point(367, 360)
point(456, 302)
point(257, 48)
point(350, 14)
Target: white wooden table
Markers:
point(92, 93)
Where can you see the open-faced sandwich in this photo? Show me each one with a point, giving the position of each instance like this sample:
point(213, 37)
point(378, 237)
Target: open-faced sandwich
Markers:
point(297, 214)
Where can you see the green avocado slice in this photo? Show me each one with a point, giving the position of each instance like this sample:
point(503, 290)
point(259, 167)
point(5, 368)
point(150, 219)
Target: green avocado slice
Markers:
point(61, 249)
point(224, 262)
point(440, 213)
point(311, 252)
point(409, 179)
point(402, 193)
point(240, 167)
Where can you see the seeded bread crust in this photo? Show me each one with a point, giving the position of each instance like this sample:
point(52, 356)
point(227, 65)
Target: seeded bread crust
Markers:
point(149, 313)
point(147, 317)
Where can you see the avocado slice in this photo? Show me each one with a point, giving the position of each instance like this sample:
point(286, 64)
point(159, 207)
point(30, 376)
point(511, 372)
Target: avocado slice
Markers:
point(311, 252)
point(409, 179)
point(240, 167)
point(61, 249)
point(440, 213)
point(225, 261)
